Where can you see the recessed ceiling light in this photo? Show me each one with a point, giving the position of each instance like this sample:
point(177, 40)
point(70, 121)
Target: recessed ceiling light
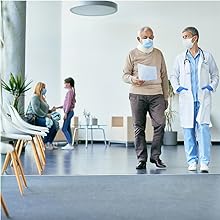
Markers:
point(95, 8)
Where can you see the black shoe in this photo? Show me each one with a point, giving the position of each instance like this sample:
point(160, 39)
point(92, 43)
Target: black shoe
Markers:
point(158, 162)
point(141, 165)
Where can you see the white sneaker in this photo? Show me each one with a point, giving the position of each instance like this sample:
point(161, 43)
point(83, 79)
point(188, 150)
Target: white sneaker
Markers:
point(67, 147)
point(204, 168)
point(49, 146)
point(192, 167)
point(54, 147)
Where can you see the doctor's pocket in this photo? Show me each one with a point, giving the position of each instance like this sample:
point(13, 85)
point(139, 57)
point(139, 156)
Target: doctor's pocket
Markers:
point(204, 75)
point(206, 99)
point(185, 101)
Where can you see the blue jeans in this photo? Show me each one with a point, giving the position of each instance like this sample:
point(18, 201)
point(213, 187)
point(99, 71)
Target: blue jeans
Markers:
point(66, 127)
point(40, 121)
point(200, 132)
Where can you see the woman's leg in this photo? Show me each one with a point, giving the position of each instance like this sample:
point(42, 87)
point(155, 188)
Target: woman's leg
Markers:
point(52, 133)
point(66, 127)
point(40, 121)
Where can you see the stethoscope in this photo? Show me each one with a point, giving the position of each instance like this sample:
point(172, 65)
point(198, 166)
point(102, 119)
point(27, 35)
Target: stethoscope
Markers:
point(187, 60)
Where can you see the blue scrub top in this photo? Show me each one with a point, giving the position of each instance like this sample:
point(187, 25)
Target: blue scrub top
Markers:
point(194, 73)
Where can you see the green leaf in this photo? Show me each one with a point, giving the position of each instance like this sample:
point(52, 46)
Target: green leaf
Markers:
point(5, 86)
point(17, 86)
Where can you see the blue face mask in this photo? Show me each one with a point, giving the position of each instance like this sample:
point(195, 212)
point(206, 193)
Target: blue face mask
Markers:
point(147, 43)
point(44, 91)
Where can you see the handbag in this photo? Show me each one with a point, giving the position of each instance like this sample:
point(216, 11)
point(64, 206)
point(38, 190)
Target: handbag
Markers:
point(30, 118)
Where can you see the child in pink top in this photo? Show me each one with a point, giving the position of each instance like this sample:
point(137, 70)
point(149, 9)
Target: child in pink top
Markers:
point(68, 107)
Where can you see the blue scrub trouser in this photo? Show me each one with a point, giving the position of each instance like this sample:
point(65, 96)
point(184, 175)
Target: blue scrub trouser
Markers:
point(66, 127)
point(200, 132)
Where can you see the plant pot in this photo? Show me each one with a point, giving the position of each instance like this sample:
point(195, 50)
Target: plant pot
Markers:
point(170, 138)
point(94, 121)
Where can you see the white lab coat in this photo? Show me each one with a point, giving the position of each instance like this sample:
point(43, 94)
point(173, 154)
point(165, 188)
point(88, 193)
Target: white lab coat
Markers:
point(208, 74)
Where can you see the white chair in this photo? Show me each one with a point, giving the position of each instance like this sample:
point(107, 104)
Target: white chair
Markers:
point(122, 130)
point(16, 118)
point(10, 152)
point(11, 128)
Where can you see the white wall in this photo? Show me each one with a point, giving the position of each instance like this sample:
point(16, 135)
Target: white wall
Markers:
point(93, 49)
point(43, 47)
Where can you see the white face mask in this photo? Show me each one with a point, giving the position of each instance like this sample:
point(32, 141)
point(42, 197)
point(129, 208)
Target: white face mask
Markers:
point(187, 43)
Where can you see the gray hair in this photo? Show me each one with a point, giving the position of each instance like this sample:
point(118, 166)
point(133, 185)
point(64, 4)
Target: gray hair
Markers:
point(192, 30)
point(146, 28)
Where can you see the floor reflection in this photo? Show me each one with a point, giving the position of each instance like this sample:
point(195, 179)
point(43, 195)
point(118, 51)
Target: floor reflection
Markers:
point(113, 160)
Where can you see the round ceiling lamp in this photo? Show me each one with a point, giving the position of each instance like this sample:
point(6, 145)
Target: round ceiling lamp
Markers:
point(95, 8)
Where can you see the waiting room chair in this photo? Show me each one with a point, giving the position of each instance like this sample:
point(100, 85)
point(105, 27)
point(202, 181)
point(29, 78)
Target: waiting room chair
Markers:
point(10, 152)
point(16, 118)
point(11, 128)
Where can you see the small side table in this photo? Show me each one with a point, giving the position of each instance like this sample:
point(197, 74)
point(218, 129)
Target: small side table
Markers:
point(91, 128)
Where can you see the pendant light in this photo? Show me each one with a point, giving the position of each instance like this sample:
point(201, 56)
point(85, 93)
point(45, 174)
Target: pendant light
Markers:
point(94, 8)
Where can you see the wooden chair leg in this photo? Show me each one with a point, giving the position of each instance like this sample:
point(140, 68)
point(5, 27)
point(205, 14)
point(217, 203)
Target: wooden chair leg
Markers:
point(6, 162)
point(40, 150)
point(20, 169)
point(15, 166)
point(40, 139)
point(36, 156)
point(4, 207)
point(18, 148)
point(17, 145)
point(21, 145)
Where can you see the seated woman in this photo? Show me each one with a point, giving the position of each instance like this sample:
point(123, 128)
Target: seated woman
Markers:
point(40, 109)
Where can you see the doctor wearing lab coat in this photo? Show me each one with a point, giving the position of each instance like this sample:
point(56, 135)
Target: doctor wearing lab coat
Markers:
point(195, 77)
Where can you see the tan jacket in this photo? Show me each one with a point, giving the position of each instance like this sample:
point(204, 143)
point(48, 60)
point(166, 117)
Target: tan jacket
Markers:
point(152, 87)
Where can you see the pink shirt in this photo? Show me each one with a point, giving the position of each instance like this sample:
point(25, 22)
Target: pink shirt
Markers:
point(69, 101)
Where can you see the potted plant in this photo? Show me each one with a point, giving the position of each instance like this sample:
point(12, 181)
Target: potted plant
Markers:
point(170, 136)
point(87, 116)
point(16, 86)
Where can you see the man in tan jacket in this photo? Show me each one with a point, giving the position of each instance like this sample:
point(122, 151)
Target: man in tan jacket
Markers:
point(145, 70)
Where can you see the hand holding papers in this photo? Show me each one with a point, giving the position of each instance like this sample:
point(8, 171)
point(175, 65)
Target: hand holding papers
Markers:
point(137, 81)
point(147, 73)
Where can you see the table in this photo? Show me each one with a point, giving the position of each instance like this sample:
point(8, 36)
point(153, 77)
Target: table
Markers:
point(87, 128)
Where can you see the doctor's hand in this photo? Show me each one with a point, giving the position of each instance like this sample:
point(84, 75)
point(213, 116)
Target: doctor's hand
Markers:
point(208, 87)
point(180, 89)
point(137, 81)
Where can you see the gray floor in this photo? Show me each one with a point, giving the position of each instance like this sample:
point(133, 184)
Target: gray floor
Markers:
point(120, 197)
point(116, 159)
point(101, 182)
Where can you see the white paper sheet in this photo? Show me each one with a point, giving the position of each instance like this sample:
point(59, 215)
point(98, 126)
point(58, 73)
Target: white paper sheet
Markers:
point(147, 72)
